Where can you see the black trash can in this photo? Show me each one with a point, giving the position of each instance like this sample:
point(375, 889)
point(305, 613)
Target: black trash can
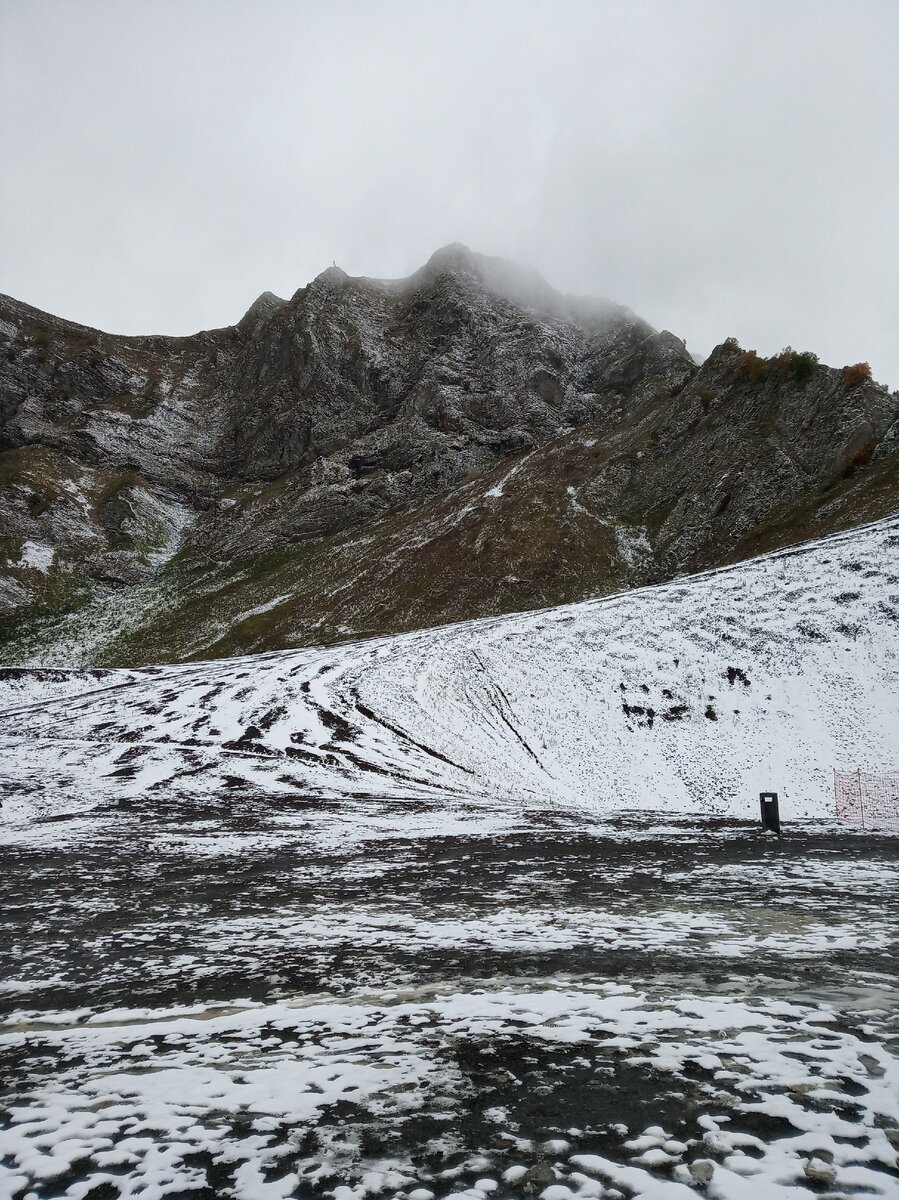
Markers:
point(770, 812)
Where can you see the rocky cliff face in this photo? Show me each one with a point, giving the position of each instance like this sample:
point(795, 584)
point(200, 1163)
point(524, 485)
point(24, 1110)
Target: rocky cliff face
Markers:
point(372, 456)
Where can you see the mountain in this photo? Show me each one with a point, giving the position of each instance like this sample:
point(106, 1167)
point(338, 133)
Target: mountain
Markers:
point(375, 456)
point(690, 696)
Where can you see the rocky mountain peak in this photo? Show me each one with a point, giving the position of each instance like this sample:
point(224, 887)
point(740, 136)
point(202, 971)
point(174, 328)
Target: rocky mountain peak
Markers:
point(372, 456)
point(331, 277)
point(500, 278)
point(262, 308)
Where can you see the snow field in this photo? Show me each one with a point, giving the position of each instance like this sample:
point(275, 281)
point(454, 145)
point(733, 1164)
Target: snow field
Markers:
point(690, 697)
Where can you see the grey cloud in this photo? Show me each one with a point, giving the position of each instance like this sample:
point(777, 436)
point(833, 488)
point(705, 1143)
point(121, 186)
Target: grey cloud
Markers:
point(721, 168)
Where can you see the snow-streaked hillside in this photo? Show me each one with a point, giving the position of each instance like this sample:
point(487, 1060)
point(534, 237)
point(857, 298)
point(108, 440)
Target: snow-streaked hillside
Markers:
point(692, 696)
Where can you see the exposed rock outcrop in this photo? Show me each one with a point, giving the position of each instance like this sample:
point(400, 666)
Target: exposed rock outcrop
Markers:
point(376, 455)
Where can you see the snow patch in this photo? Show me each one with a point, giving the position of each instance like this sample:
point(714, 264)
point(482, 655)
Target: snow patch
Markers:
point(38, 556)
point(497, 491)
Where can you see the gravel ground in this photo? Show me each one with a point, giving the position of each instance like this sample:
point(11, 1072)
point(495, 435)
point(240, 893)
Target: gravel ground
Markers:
point(345, 998)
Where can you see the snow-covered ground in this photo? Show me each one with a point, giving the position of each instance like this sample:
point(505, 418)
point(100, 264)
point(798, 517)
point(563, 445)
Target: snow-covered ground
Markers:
point(367, 920)
point(689, 697)
point(277, 998)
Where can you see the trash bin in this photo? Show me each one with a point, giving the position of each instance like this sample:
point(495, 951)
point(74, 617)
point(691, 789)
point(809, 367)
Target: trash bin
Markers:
point(770, 812)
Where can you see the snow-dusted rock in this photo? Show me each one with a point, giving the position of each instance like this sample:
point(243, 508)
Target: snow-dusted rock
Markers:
point(819, 1171)
point(468, 428)
point(702, 1170)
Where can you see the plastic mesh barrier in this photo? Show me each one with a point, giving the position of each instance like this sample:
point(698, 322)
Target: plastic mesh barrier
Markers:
point(867, 798)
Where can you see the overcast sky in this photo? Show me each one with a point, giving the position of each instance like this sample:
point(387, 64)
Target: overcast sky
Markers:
point(721, 167)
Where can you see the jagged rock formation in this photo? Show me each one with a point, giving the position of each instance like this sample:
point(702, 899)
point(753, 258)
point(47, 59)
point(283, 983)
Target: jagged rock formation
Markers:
point(372, 456)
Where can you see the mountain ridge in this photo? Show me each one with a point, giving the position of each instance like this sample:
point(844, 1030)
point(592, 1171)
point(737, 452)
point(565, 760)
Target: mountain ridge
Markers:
point(371, 456)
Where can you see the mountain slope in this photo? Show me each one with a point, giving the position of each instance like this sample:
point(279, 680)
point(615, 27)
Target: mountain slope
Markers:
point(690, 696)
point(372, 456)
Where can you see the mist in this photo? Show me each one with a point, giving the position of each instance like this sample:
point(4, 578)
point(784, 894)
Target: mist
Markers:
point(722, 169)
